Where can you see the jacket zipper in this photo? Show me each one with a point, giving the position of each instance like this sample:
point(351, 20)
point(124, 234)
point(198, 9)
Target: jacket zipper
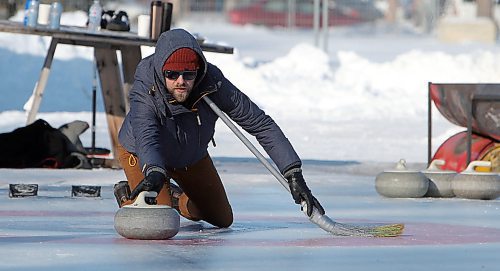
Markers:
point(203, 94)
point(198, 119)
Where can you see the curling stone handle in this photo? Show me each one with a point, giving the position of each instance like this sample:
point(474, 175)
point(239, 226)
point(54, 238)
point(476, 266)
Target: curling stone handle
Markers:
point(472, 165)
point(401, 165)
point(140, 201)
point(435, 163)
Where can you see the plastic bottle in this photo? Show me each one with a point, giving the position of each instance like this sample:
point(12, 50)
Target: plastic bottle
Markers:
point(33, 13)
point(26, 8)
point(55, 15)
point(95, 14)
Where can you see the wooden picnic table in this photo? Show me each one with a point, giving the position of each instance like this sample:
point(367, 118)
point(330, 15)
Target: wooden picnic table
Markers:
point(106, 44)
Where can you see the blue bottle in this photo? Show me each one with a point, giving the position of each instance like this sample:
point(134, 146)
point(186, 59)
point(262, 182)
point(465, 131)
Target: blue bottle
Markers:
point(33, 13)
point(26, 10)
point(55, 15)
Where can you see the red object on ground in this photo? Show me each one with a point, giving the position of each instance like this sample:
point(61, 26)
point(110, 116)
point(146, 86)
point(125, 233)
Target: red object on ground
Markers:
point(454, 150)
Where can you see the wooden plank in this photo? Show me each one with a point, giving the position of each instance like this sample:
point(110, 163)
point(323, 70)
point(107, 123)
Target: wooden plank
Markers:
point(112, 92)
point(112, 39)
point(131, 56)
point(41, 83)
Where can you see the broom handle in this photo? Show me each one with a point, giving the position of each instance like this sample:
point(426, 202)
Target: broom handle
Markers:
point(247, 143)
point(323, 221)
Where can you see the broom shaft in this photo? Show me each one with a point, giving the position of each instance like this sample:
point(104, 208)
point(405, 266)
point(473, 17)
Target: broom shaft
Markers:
point(322, 221)
point(247, 143)
point(316, 217)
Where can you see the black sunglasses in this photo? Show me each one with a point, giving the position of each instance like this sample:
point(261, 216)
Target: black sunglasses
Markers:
point(173, 75)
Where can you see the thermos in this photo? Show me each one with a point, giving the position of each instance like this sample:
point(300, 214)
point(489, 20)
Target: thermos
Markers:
point(167, 16)
point(160, 18)
point(156, 19)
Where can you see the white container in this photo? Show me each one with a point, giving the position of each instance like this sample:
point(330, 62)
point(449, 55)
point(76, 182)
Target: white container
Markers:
point(43, 14)
point(143, 25)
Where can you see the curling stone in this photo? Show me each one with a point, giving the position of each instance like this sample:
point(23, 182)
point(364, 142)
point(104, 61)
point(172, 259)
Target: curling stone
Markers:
point(401, 182)
point(144, 221)
point(472, 184)
point(439, 180)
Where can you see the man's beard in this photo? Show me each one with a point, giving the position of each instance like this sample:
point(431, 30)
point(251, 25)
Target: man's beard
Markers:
point(180, 96)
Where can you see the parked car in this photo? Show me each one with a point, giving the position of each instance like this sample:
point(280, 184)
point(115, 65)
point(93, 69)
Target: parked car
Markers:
point(275, 12)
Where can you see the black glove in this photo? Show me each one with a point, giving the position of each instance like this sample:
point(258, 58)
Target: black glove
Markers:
point(154, 181)
point(300, 192)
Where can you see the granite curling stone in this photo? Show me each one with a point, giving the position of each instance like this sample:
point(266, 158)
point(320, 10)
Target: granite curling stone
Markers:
point(439, 180)
point(472, 184)
point(401, 182)
point(143, 221)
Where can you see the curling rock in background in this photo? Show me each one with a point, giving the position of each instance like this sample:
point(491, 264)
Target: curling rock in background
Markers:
point(401, 182)
point(472, 184)
point(439, 180)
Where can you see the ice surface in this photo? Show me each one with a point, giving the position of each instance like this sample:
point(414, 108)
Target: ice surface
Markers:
point(361, 105)
point(55, 231)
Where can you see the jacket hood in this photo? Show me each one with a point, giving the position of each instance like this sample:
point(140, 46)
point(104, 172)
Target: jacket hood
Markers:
point(169, 42)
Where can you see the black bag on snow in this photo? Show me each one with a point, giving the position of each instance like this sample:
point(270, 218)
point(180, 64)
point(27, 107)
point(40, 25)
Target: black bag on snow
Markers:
point(38, 145)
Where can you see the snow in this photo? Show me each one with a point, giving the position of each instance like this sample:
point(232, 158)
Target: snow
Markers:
point(350, 113)
point(369, 88)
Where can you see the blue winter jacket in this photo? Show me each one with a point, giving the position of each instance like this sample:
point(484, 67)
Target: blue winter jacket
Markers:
point(168, 134)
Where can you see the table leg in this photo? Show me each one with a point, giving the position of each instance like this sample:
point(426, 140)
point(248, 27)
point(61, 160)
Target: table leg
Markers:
point(112, 91)
point(41, 83)
point(131, 56)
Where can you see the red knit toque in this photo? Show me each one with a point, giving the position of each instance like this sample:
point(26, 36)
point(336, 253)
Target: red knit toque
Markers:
point(181, 60)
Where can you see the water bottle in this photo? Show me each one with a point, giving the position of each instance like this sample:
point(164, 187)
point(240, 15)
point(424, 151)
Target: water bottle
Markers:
point(26, 14)
point(33, 13)
point(55, 15)
point(95, 14)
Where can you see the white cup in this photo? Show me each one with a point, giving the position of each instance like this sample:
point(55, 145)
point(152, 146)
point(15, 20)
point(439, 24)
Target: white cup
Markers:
point(43, 14)
point(143, 26)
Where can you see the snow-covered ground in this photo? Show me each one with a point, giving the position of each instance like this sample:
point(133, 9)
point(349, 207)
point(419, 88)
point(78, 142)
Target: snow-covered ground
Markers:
point(365, 99)
point(363, 104)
